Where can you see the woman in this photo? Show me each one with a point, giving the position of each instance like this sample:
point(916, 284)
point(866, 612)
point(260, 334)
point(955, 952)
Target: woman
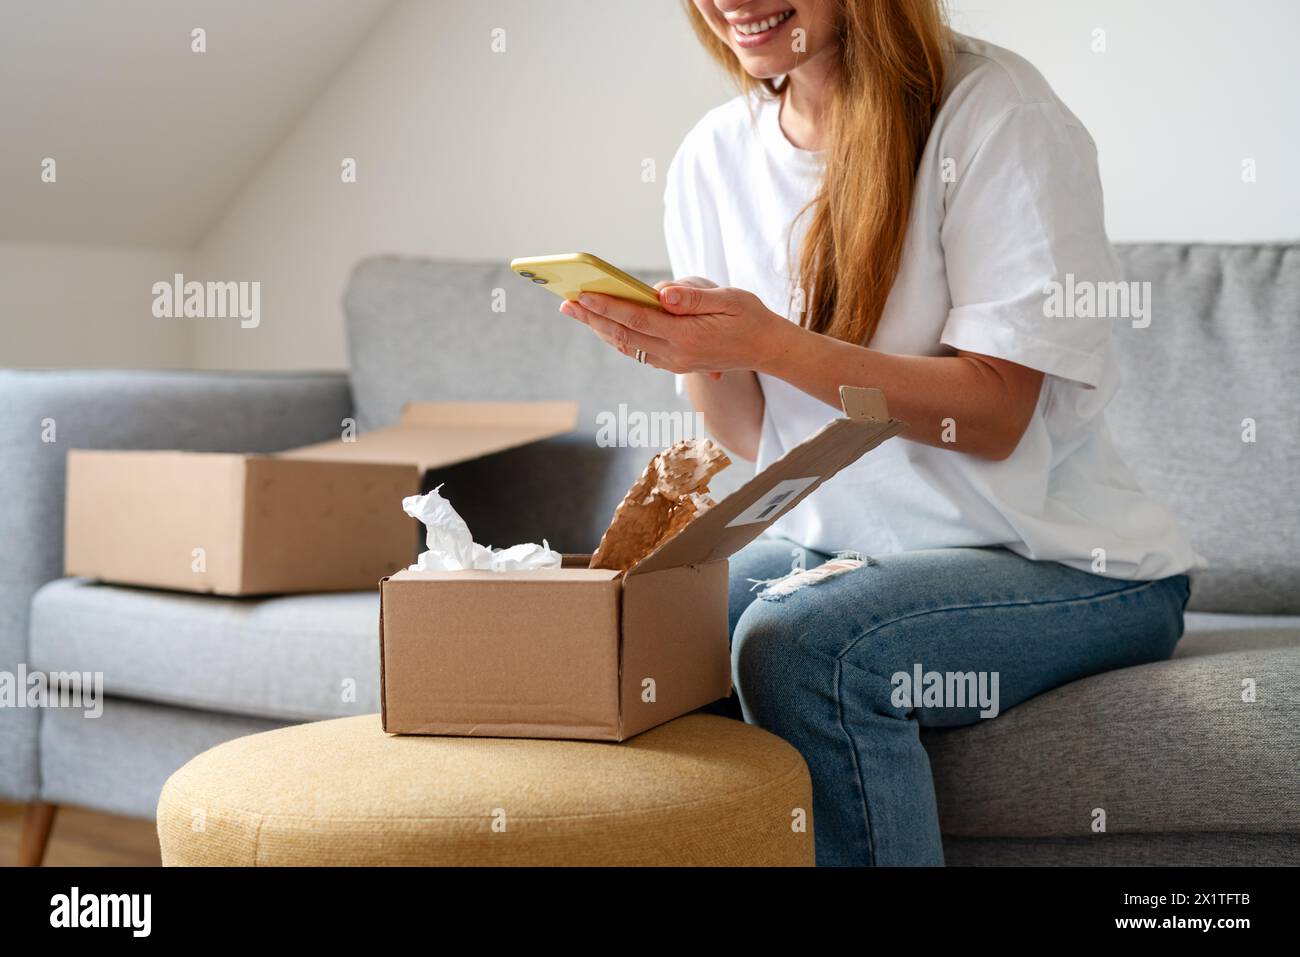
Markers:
point(890, 204)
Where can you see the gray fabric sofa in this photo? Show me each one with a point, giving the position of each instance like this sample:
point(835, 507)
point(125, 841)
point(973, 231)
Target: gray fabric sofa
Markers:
point(1185, 770)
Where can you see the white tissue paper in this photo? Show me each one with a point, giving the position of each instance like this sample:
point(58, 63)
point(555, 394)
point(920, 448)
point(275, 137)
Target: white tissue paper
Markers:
point(451, 548)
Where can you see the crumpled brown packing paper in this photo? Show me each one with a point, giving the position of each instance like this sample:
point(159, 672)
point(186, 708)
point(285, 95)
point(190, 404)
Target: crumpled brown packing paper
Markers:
point(671, 491)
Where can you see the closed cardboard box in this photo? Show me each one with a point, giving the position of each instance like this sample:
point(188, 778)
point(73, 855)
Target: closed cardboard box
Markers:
point(587, 653)
point(326, 517)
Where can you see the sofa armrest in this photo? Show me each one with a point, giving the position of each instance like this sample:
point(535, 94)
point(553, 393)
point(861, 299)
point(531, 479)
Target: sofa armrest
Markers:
point(215, 412)
point(47, 413)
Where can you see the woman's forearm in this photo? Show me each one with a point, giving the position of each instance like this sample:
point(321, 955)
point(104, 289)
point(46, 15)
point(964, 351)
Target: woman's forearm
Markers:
point(967, 402)
point(732, 407)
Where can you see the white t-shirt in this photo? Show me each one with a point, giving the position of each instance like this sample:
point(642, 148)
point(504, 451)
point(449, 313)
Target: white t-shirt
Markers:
point(1007, 200)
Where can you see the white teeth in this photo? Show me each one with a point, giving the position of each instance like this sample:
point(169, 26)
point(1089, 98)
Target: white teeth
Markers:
point(762, 26)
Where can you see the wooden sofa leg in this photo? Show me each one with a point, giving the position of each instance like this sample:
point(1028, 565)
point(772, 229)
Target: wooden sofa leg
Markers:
point(37, 823)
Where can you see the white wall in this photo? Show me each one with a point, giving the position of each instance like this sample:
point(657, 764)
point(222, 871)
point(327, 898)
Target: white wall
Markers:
point(66, 306)
point(1184, 92)
point(153, 140)
point(466, 153)
point(152, 144)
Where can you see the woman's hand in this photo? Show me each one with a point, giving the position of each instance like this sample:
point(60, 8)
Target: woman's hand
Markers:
point(699, 327)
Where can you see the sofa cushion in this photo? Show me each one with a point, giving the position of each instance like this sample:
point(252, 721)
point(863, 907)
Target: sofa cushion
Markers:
point(118, 762)
point(1221, 348)
point(1205, 849)
point(294, 658)
point(1169, 747)
point(1207, 633)
point(421, 329)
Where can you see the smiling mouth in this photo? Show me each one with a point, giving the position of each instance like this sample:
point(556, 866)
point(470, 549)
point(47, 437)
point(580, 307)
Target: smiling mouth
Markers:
point(758, 28)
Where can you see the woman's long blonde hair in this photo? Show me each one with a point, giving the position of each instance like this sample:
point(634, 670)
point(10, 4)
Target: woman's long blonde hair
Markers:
point(887, 86)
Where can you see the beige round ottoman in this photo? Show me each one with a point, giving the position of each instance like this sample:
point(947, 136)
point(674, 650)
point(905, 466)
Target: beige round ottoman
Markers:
point(699, 790)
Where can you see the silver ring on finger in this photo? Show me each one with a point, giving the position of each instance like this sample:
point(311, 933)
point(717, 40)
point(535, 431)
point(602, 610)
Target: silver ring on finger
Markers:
point(639, 355)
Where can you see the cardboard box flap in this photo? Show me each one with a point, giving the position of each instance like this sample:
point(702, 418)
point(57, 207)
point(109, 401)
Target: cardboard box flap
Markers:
point(434, 434)
point(742, 516)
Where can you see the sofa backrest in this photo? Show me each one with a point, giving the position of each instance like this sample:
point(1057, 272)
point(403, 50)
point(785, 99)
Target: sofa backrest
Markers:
point(1221, 348)
point(1209, 412)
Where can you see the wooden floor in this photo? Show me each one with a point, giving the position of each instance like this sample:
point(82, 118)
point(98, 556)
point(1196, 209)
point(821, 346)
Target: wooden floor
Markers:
point(84, 838)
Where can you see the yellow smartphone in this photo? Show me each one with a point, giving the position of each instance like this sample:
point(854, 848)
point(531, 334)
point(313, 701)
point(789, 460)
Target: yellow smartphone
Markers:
point(571, 274)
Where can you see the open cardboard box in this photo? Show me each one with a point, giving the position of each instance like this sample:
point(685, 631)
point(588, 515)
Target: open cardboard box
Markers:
point(326, 517)
point(588, 653)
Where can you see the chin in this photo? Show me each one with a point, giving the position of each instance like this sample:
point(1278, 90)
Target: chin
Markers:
point(764, 67)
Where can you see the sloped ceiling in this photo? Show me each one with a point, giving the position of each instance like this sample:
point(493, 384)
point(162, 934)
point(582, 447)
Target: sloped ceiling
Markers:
point(153, 141)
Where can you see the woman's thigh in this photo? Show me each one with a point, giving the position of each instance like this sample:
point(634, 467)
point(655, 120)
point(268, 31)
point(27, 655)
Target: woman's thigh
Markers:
point(763, 560)
point(954, 618)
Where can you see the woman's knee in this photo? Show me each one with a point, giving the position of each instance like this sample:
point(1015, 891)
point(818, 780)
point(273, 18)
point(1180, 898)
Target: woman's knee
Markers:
point(790, 672)
point(774, 652)
point(756, 643)
point(1169, 604)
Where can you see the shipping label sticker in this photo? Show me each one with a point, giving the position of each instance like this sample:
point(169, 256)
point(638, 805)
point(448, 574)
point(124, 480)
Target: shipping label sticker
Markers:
point(774, 501)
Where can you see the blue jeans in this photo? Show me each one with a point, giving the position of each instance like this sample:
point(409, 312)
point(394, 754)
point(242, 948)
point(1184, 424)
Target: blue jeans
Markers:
point(830, 667)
